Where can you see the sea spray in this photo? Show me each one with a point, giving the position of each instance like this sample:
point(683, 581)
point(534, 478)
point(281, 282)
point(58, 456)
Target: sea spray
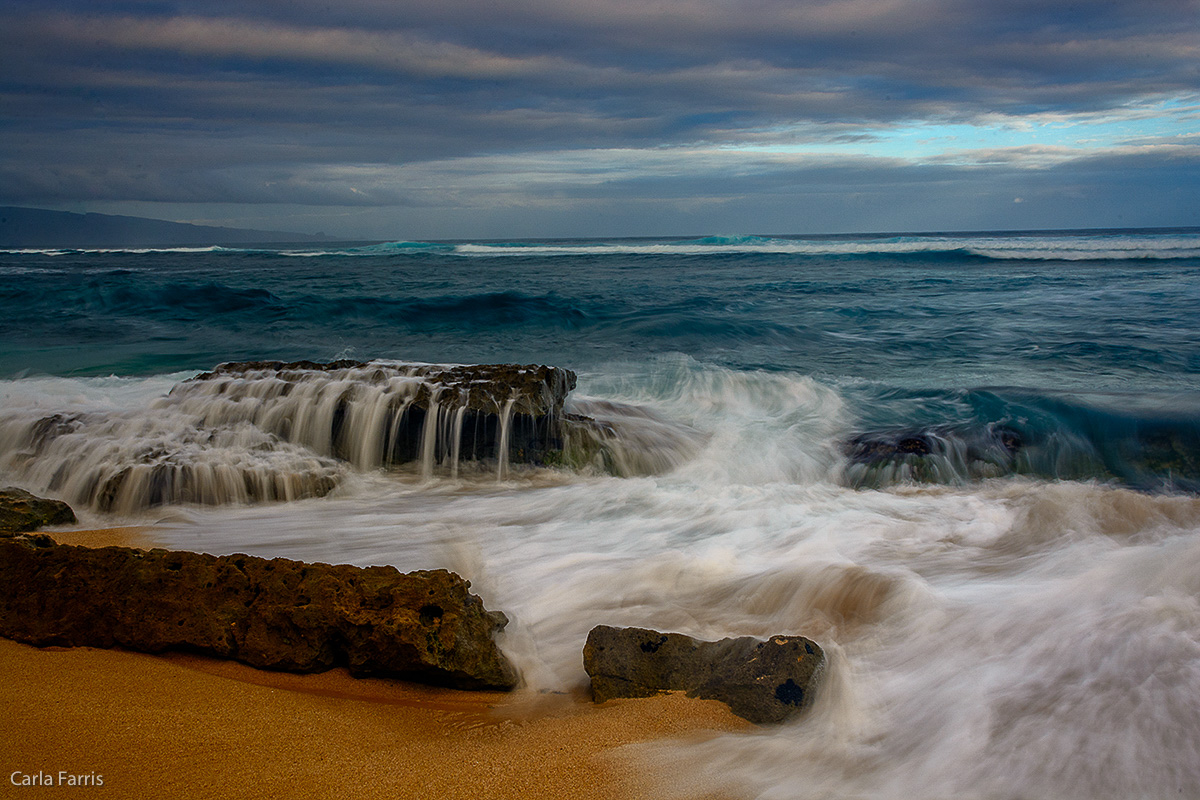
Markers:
point(718, 424)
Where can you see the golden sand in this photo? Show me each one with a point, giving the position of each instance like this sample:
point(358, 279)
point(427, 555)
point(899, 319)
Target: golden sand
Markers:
point(183, 726)
point(130, 536)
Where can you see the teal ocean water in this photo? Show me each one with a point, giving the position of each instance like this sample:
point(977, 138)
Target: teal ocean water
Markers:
point(967, 464)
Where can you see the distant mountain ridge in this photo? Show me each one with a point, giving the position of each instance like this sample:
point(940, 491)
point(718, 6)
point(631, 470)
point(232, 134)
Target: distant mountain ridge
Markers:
point(36, 227)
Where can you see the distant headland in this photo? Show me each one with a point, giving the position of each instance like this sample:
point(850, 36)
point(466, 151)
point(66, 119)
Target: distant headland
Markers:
point(35, 227)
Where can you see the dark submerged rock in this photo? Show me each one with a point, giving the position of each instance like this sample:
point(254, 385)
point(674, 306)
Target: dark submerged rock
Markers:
point(272, 614)
point(938, 454)
point(21, 511)
point(762, 681)
point(1169, 453)
point(885, 445)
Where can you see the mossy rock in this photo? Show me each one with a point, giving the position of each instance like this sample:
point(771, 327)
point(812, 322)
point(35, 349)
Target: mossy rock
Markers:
point(21, 511)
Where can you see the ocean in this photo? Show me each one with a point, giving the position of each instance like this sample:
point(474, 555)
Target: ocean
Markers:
point(968, 465)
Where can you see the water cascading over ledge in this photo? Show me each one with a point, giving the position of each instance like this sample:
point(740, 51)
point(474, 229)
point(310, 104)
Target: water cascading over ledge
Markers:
point(264, 431)
point(380, 413)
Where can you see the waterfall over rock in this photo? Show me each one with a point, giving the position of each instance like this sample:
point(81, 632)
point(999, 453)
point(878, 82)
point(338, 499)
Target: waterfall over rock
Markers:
point(266, 431)
point(381, 413)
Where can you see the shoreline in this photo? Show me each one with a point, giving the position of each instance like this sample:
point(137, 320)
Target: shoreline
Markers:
point(189, 726)
point(139, 536)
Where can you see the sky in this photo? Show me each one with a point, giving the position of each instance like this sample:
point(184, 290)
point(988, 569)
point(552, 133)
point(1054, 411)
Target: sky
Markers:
point(442, 119)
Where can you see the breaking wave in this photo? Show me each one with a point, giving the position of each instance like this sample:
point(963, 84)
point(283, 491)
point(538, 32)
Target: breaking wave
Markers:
point(270, 432)
point(1097, 245)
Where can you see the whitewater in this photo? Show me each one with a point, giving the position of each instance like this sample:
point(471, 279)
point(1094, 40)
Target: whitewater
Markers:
point(968, 465)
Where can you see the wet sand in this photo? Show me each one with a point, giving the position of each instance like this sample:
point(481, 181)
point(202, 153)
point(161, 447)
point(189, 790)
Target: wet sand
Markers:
point(129, 536)
point(185, 726)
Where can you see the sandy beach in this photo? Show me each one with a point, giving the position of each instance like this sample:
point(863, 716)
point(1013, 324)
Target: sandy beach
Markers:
point(184, 726)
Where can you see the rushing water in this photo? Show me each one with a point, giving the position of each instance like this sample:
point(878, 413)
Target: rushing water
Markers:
point(967, 465)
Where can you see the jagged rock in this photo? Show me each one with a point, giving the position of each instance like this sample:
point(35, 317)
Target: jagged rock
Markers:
point(762, 681)
point(22, 511)
point(272, 614)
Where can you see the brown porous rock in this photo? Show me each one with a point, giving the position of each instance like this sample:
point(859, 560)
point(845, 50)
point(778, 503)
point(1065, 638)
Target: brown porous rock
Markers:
point(273, 614)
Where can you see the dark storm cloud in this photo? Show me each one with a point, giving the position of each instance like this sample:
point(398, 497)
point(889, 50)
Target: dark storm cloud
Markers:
point(281, 101)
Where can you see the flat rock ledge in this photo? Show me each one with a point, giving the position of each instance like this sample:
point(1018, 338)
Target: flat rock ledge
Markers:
point(274, 614)
point(21, 511)
point(536, 390)
point(433, 413)
point(761, 681)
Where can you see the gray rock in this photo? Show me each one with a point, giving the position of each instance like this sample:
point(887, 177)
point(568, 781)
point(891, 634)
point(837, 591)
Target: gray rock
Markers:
point(272, 614)
point(21, 511)
point(762, 681)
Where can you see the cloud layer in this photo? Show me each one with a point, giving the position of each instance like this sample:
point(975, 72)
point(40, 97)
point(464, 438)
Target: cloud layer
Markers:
point(558, 118)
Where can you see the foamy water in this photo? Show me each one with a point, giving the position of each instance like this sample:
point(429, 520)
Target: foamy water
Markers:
point(1012, 638)
point(967, 465)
